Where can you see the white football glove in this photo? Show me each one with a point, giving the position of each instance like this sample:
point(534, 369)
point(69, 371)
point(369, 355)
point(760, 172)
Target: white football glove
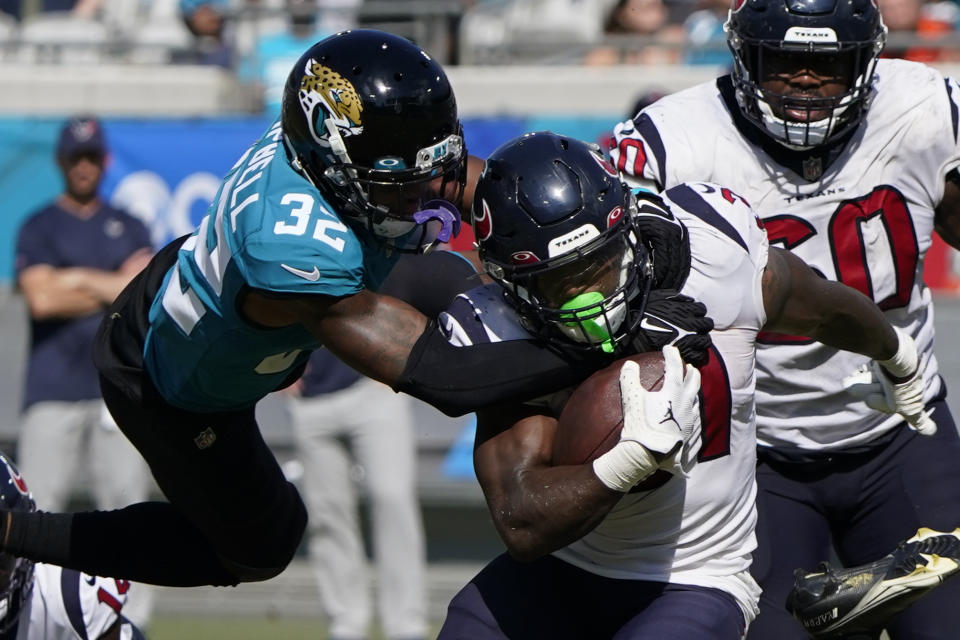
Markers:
point(875, 384)
point(665, 422)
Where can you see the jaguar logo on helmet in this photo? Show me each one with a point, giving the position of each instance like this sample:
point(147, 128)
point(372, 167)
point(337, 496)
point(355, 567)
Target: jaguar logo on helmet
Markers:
point(328, 99)
point(483, 225)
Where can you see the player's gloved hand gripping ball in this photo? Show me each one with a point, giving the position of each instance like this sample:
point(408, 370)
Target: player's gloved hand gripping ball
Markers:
point(895, 386)
point(658, 426)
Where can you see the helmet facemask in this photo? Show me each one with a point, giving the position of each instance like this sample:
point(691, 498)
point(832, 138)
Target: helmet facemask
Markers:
point(804, 121)
point(16, 582)
point(583, 297)
point(389, 198)
point(16, 574)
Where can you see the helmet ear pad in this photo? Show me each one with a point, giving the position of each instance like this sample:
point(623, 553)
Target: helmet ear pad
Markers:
point(554, 224)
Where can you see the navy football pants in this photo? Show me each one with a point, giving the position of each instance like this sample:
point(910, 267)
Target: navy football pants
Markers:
point(549, 599)
point(861, 505)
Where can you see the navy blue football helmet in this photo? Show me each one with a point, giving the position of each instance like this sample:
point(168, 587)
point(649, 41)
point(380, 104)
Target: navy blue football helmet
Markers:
point(555, 228)
point(371, 120)
point(845, 35)
point(16, 574)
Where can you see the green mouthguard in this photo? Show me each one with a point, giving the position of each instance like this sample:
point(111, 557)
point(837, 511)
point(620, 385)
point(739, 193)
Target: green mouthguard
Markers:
point(588, 304)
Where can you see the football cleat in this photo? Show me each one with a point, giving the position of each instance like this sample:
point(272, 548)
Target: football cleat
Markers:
point(834, 603)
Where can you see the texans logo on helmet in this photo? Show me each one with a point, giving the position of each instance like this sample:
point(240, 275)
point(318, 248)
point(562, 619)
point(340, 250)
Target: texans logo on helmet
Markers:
point(16, 479)
point(737, 5)
point(614, 216)
point(524, 257)
point(606, 165)
point(483, 225)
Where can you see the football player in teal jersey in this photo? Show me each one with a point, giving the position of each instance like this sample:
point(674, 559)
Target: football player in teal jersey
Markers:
point(361, 167)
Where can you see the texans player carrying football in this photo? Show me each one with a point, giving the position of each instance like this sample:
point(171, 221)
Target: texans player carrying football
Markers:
point(852, 162)
point(577, 255)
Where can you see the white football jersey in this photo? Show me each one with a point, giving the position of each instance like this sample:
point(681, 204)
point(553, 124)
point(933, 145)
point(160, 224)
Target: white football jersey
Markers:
point(68, 605)
point(864, 219)
point(698, 531)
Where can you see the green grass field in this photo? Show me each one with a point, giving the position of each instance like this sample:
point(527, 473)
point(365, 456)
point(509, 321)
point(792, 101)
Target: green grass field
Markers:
point(239, 628)
point(213, 628)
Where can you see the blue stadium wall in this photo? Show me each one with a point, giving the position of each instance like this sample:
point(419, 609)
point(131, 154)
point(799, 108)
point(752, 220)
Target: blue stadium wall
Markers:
point(167, 171)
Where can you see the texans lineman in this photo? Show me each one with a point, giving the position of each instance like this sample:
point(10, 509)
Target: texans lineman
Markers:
point(303, 230)
point(654, 538)
point(44, 602)
point(852, 163)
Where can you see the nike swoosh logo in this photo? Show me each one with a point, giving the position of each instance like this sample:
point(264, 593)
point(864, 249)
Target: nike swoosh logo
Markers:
point(665, 327)
point(649, 326)
point(312, 276)
point(277, 362)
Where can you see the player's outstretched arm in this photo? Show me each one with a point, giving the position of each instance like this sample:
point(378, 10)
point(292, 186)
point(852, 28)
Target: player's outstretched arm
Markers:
point(390, 341)
point(372, 333)
point(799, 302)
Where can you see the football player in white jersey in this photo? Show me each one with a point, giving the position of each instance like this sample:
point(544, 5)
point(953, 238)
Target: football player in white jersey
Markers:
point(653, 539)
point(851, 163)
point(43, 602)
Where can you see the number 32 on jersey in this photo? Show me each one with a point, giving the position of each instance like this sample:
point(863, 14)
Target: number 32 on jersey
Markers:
point(323, 230)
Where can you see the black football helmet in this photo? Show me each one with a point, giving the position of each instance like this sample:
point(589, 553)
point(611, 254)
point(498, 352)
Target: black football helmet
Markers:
point(371, 120)
point(555, 228)
point(846, 35)
point(16, 574)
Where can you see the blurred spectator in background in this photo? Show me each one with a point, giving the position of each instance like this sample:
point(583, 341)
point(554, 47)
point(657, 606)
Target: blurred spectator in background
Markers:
point(337, 15)
point(274, 54)
point(73, 257)
point(706, 42)
point(912, 20)
point(659, 42)
point(206, 21)
point(350, 429)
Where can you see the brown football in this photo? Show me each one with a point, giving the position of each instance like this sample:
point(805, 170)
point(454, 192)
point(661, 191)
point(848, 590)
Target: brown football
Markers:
point(590, 422)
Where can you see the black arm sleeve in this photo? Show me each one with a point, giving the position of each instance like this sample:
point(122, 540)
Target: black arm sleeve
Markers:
point(428, 282)
point(459, 380)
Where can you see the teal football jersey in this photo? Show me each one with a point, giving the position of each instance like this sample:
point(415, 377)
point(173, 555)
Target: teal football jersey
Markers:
point(268, 228)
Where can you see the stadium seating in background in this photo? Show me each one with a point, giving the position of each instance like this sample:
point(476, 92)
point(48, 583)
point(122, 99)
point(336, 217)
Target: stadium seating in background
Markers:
point(58, 36)
point(158, 42)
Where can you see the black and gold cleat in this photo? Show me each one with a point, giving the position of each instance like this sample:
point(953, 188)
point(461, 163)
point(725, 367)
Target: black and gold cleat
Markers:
point(836, 603)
